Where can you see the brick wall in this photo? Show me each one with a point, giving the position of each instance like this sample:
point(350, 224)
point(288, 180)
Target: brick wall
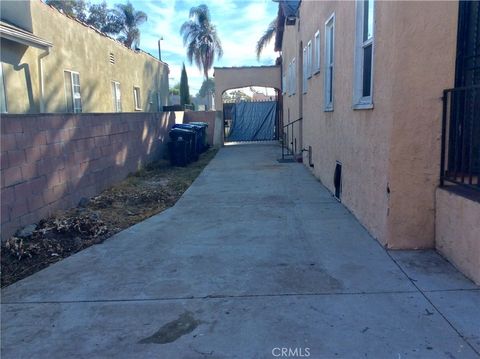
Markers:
point(51, 161)
point(202, 116)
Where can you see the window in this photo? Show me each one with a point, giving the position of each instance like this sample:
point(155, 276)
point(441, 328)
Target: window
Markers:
point(3, 97)
point(287, 79)
point(329, 63)
point(294, 77)
point(305, 70)
point(290, 79)
point(363, 88)
point(316, 66)
point(136, 98)
point(72, 91)
point(117, 98)
point(284, 84)
point(309, 59)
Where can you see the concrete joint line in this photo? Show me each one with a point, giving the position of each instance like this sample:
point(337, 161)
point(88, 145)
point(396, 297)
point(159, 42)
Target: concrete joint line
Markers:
point(220, 296)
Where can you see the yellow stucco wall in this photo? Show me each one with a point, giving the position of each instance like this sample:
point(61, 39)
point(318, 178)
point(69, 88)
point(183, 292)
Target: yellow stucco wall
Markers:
point(389, 154)
point(81, 49)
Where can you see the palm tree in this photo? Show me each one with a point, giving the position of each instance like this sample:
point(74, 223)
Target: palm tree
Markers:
point(266, 37)
point(201, 39)
point(131, 19)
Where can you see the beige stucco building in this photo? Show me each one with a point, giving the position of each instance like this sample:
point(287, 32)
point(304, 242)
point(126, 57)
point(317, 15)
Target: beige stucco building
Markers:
point(53, 63)
point(367, 81)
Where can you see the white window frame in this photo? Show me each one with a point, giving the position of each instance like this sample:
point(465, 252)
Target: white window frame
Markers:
point(287, 79)
point(361, 102)
point(305, 70)
point(317, 57)
point(329, 60)
point(3, 94)
point(117, 96)
point(309, 59)
point(73, 93)
point(137, 98)
point(294, 77)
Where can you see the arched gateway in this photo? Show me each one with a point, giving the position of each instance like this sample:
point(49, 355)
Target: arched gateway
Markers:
point(227, 78)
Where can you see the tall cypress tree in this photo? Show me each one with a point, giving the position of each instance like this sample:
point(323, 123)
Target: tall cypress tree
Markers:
point(184, 91)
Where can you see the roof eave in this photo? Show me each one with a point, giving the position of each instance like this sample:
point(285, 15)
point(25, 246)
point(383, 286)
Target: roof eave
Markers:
point(24, 38)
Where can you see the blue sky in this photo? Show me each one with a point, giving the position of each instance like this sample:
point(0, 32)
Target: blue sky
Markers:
point(240, 23)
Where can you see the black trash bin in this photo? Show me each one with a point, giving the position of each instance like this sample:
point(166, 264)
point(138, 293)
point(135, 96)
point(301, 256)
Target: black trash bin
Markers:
point(203, 126)
point(197, 130)
point(184, 151)
point(178, 152)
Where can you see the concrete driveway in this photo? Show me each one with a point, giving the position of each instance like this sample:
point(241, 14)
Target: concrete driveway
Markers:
point(256, 260)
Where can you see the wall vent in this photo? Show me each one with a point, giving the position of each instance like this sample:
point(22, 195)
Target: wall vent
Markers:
point(310, 157)
point(112, 58)
point(337, 180)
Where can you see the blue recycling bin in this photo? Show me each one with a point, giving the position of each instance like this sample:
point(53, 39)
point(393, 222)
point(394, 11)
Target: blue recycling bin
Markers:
point(203, 128)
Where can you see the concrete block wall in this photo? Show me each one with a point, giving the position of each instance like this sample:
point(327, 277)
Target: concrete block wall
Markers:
point(50, 161)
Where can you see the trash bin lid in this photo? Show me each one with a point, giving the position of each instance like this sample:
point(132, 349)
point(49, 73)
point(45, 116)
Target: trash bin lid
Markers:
point(187, 126)
point(203, 124)
point(180, 130)
point(177, 132)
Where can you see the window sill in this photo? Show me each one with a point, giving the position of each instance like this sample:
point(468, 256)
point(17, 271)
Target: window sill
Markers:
point(363, 106)
point(138, 109)
point(462, 191)
point(330, 109)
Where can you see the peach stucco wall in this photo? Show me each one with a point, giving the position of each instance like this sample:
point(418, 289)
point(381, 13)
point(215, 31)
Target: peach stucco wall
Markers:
point(390, 154)
point(457, 227)
point(425, 51)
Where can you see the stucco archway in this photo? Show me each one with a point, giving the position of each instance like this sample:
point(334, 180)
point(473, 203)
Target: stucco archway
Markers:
point(227, 78)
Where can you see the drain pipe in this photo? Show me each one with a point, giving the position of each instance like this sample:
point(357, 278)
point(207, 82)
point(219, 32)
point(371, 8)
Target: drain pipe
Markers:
point(41, 78)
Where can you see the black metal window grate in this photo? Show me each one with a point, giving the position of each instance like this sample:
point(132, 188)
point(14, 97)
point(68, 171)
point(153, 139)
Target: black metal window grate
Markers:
point(461, 106)
point(461, 137)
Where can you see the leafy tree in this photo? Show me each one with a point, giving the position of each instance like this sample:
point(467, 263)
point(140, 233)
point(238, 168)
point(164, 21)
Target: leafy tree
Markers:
point(236, 96)
point(184, 90)
point(201, 39)
point(175, 90)
point(266, 37)
point(131, 20)
point(104, 19)
point(208, 87)
point(74, 8)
